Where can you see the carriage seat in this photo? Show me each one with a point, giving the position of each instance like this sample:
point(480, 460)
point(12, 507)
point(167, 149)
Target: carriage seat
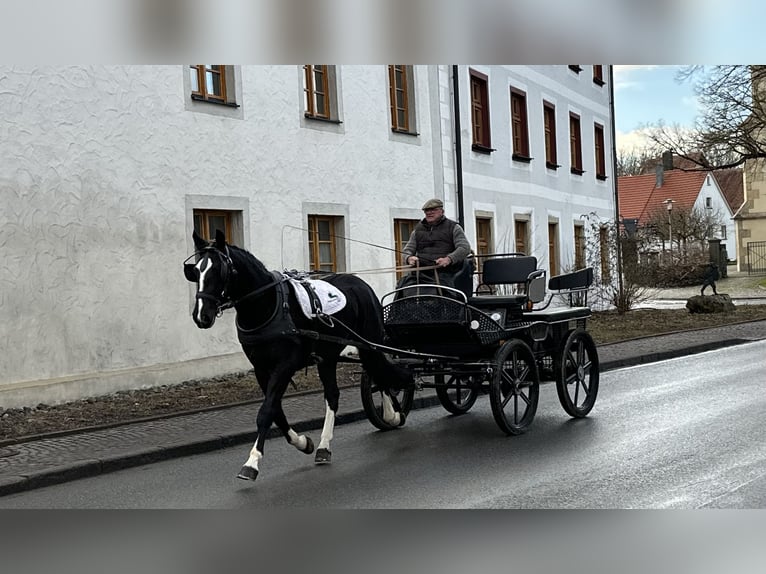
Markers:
point(521, 271)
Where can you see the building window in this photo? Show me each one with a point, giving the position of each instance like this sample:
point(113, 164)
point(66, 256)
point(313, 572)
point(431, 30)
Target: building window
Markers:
point(576, 69)
point(401, 87)
point(484, 245)
point(208, 221)
point(709, 203)
point(553, 249)
point(598, 138)
point(723, 232)
point(520, 128)
point(579, 246)
point(480, 112)
point(212, 83)
point(549, 118)
point(598, 75)
point(575, 145)
point(403, 228)
point(322, 245)
point(603, 241)
point(521, 231)
point(320, 89)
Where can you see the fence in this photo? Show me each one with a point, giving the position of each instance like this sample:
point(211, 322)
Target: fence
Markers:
point(756, 258)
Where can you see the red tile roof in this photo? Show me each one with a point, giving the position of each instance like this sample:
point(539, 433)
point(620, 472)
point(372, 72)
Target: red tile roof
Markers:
point(639, 195)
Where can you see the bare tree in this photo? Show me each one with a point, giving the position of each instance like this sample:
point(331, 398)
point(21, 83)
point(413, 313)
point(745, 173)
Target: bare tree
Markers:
point(636, 161)
point(686, 228)
point(730, 129)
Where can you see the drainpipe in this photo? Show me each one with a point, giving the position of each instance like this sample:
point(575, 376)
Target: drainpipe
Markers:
point(616, 195)
point(458, 147)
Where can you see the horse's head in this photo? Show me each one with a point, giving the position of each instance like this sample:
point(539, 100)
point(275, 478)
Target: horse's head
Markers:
point(212, 273)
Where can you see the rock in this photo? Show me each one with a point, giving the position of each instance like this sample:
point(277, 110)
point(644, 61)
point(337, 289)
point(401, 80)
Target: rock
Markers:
point(720, 303)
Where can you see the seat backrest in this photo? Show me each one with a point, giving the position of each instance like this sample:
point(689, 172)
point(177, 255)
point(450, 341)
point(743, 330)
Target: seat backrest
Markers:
point(502, 270)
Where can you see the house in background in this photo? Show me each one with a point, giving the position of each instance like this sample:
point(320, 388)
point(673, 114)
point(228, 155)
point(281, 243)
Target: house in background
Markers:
point(107, 170)
point(642, 196)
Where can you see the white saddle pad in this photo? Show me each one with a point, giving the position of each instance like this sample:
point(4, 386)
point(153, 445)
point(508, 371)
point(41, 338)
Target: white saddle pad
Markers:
point(331, 299)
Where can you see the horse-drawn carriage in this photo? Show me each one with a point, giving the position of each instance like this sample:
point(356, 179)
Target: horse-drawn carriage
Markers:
point(460, 340)
point(488, 336)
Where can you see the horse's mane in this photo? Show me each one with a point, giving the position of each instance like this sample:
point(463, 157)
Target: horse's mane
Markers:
point(246, 261)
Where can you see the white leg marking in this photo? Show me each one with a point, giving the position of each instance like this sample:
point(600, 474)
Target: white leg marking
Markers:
point(389, 414)
point(329, 425)
point(298, 441)
point(203, 269)
point(254, 459)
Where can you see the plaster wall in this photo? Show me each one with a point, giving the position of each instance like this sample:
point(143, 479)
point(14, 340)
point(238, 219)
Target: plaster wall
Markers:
point(102, 167)
point(506, 188)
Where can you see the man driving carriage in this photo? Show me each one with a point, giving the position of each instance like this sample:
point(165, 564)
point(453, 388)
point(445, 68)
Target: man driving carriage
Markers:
point(436, 241)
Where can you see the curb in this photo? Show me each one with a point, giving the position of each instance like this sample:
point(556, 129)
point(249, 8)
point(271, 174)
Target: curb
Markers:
point(94, 467)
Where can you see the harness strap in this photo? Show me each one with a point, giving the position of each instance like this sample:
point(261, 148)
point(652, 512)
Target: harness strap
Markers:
point(231, 303)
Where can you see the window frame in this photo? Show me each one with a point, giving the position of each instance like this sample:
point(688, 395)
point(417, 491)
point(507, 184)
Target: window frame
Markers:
point(519, 126)
point(575, 144)
point(226, 75)
point(575, 68)
point(600, 152)
point(310, 91)
point(598, 75)
point(521, 240)
point(579, 247)
point(481, 136)
point(203, 230)
point(603, 242)
point(400, 240)
point(407, 88)
point(549, 126)
point(553, 248)
point(314, 242)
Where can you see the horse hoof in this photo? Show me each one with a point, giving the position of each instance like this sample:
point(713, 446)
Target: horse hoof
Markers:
point(402, 419)
point(248, 473)
point(309, 446)
point(323, 456)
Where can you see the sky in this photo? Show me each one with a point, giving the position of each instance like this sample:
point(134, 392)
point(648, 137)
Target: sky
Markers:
point(646, 95)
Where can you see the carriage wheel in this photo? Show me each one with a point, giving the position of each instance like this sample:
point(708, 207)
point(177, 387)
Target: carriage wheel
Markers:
point(515, 387)
point(372, 402)
point(577, 372)
point(458, 394)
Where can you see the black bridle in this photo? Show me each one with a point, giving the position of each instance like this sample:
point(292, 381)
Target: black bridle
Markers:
point(225, 301)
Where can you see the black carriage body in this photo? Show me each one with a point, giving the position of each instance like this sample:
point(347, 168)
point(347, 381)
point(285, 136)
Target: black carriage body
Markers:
point(494, 340)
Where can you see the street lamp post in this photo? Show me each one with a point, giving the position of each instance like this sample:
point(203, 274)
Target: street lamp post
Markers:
point(669, 203)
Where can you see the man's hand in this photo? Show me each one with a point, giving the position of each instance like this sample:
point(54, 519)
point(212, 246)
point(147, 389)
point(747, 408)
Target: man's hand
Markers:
point(443, 261)
point(412, 260)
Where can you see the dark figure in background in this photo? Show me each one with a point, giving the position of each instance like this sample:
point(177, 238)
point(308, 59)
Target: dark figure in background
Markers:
point(436, 240)
point(710, 277)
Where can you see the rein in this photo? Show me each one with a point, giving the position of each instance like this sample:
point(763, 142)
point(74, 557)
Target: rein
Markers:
point(231, 303)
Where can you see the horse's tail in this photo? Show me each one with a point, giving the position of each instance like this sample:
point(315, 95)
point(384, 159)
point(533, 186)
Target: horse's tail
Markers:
point(384, 371)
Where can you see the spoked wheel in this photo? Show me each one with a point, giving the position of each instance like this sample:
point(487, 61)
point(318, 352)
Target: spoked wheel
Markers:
point(372, 402)
point(577, 372)
point(457, 394)
point(515, 387)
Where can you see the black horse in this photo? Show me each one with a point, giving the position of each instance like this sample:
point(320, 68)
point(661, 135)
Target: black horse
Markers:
point(279, 339)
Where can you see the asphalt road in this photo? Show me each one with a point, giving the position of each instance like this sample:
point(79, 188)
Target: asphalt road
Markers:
point(685, 433)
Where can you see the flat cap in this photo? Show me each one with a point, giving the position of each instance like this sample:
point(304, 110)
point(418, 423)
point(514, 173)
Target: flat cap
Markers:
point(431, 203)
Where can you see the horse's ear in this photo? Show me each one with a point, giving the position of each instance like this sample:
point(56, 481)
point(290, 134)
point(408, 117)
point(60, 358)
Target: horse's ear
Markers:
point(199, 243)
point(220, 240)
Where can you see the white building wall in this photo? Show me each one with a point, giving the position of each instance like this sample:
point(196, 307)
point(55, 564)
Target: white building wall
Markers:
point(101, 168)
point(496, 184)
point(719, 205)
